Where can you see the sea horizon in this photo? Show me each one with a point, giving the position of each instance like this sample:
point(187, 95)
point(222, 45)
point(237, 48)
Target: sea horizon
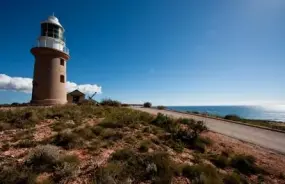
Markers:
point(262, 112)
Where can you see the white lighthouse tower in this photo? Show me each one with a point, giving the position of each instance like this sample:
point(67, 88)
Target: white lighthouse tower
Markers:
point(51, 55)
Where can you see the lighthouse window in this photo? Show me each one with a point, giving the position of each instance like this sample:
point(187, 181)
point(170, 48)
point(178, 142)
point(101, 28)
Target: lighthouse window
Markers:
point(62, 62)
point(51, 30)
point(62, 78)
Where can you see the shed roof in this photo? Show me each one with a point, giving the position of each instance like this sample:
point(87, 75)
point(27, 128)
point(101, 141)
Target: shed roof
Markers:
point(76, 93)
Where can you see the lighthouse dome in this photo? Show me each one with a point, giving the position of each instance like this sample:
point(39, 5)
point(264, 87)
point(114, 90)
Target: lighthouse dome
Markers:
point(52, 20)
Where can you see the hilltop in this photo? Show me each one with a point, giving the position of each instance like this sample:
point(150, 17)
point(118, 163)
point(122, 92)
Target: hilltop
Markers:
point(113, 144)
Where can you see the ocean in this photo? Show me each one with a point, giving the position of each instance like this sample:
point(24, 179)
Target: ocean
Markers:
point(274, 113)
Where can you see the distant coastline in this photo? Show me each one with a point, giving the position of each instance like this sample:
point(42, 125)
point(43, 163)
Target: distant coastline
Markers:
point(248, 112)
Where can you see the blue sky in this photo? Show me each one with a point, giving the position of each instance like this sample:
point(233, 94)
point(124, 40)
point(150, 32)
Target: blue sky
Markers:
point(170, 52)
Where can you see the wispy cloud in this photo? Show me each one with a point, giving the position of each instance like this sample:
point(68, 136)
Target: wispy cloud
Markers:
point(25, 85)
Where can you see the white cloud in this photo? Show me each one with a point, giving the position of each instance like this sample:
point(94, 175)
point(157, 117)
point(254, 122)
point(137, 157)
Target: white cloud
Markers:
point(84, 88)
point(16, 83)
point(25, 85)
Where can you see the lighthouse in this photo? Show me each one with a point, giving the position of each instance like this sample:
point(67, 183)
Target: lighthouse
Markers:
point(51, 55)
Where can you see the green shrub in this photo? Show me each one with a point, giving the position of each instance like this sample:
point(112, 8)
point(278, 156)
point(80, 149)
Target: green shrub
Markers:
point(165, 169)
point(43, 158)
point(195, 112)
point(130, 140)
point(5, 126)
point(67, 167)
point(122, 155)
point(26, 144)
point(204, 174)
point(245, 164)
point(160, 107)
point(60, 125)
point(282, 176)
point(18, 118)
point(111, 134)
point(185, 121)
point(207, 141)
point(127, 117)
point(110, 174)
point(156, 167)
point(188, 135)
point(97, 130)
point(220, 161)
point(234, 178)
point(72, 159)
point(197, 128)
point(147, 129)
point(144, 146)
point(85, 132)
point(16, 174)
point(48, 158)
point(166, 123)
point(197, 144)
point(232, 117)
point(191, 139)
point(67, 139)
point(110, 124)
point(147, 105)
point(5, 147)
point(109, 102)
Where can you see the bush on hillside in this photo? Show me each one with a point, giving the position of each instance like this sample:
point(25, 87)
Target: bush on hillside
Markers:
point(43, 158)
point(182, 136)
point(161, 107)
point(165, 122)
point(125, 105)
point(126, 166)
point(16, 174)
point(67, 139)
point(144, 146)
point(126, 117)
point(201, 174)
point(220, 161)
point(110, 102)
point(18, 118)
point(234, 178)
point(197, 127)
point(245, 164)
point(232, 117)
point(147, 105)
point(49, 158)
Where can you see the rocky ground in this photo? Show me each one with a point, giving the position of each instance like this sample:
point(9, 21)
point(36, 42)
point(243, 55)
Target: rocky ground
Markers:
point(91, 144)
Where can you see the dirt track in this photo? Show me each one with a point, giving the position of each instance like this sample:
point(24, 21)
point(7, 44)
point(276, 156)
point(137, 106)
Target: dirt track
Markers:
point(262, 137)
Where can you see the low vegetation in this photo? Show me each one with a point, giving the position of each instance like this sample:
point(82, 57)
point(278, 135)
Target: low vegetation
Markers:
point(45, 158)
point(112, 144)
point(110, 102)
point(263, 123)
point(202, 173)
point(147, 105)
point(161, 107)
point(126, 166)
point(245, 164)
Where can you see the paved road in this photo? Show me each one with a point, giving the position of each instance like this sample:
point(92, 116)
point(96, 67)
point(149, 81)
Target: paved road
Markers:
point(262, 137)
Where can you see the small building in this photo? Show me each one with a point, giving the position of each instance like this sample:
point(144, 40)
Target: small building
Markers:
point(75, 96)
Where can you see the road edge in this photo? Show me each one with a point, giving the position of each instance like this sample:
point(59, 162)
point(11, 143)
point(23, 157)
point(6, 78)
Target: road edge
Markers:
point(221, 119)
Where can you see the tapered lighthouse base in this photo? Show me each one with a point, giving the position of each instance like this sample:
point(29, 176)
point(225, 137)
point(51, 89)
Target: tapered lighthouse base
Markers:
point(48, 102)
point(49, 84)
